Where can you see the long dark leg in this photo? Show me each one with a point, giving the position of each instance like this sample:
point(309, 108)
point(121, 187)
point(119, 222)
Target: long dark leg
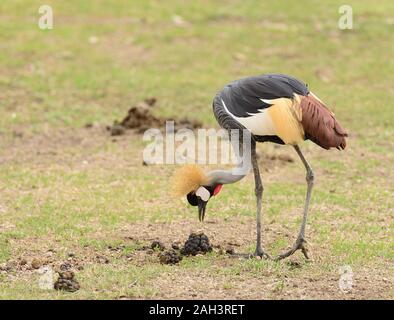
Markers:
point(300, 242)
point(259, 194)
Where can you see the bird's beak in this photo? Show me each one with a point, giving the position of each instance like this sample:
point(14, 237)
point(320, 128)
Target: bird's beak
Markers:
point(201, 209)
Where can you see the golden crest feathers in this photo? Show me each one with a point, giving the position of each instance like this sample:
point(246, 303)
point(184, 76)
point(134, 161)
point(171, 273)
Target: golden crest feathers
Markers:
point(187, 179)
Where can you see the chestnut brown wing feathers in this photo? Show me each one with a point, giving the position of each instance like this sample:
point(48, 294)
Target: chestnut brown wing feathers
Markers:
point(320, 125)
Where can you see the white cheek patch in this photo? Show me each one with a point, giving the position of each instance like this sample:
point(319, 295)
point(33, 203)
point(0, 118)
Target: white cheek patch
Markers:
point(203, 193)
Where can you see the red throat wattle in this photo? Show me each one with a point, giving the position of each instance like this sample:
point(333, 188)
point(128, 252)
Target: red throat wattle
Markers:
point(217, 189)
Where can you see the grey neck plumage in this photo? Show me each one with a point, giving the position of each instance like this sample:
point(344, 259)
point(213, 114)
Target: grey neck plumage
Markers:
point(228, 176)
point(242, 149)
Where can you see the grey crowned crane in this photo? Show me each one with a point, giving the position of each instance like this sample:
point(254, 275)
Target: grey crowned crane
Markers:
point(276, 108)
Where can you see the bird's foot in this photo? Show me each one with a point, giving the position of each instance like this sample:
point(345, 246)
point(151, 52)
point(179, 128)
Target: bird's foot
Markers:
point(260, 253)
point(298, 245)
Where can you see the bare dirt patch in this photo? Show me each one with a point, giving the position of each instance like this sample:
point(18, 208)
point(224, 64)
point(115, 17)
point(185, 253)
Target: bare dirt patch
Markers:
point(219, 277)
point(203, 285)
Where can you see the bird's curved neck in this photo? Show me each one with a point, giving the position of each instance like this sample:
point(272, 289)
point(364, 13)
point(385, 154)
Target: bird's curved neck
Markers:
point(228, 176)
point(243, 151)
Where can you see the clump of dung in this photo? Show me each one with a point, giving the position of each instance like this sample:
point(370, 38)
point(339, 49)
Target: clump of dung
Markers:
point(176, 245)
point(67, 282)
point(170, 257)
point(157, 245)
point(197, 243)
point(140, 118)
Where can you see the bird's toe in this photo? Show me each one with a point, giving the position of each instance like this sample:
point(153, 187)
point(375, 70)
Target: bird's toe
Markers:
point(300, 244)
point(261, 254)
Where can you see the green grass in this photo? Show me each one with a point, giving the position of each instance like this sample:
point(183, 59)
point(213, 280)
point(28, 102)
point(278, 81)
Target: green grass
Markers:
point(70, 189)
